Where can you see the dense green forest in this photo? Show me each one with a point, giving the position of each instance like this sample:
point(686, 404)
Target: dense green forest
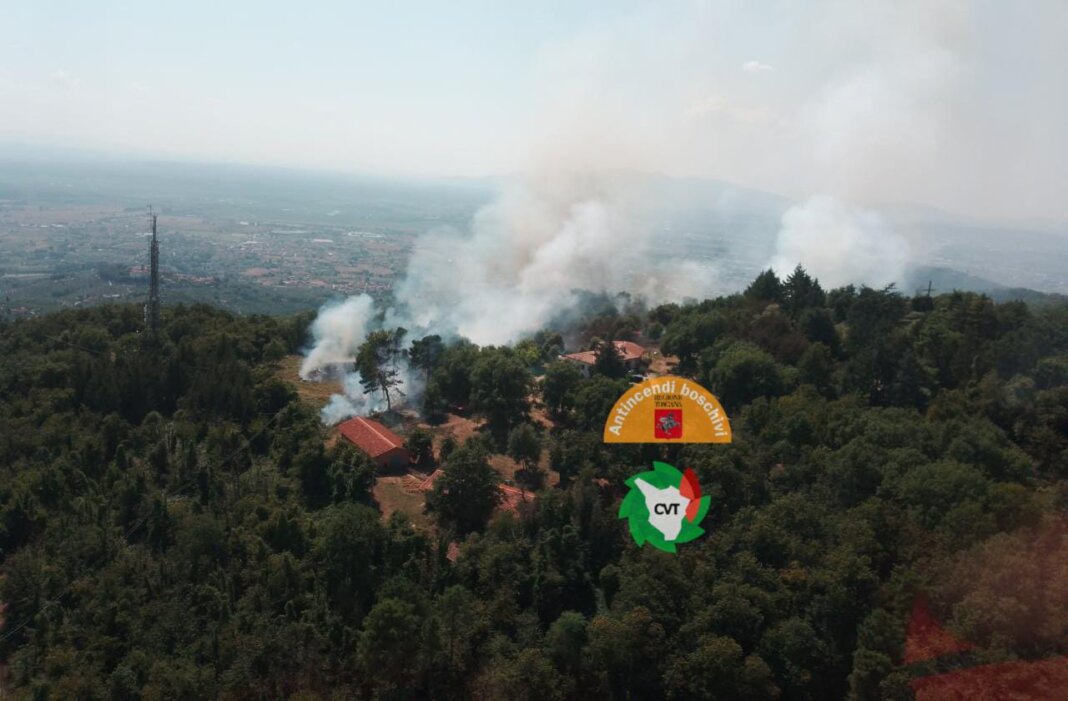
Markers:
point(172, 526)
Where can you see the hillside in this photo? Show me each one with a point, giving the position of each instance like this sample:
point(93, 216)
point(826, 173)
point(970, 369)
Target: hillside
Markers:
point(176, 522)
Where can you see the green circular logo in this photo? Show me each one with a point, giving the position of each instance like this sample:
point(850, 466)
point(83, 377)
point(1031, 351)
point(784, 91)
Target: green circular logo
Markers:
point(664, 507)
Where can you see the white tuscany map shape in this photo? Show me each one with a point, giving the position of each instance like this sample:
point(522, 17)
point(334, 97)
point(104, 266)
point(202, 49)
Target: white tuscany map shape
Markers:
point(668, 524)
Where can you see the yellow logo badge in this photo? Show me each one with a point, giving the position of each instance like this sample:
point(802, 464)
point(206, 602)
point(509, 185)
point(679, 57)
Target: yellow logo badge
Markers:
point(667, 410)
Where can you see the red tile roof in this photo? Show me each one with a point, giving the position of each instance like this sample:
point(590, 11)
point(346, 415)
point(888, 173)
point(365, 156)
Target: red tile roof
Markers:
point(370, 436)
point(629, 350)
point(428, 484)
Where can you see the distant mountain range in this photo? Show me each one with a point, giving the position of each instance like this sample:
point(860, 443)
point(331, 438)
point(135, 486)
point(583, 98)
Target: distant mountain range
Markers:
point(944, 280)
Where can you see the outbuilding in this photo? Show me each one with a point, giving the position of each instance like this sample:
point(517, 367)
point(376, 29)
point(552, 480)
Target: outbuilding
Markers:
point(385, 447)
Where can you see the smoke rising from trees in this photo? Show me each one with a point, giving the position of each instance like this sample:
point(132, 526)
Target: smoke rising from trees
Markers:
point(840, 244)
point(338, 332)
point(524, 261)
point(886, 118)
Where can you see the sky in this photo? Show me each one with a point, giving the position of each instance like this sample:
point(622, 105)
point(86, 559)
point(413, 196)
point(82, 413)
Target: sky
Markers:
point(954, 104)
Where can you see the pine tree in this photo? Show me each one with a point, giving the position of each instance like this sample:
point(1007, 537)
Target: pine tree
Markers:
point(801, 291)
point(766, 287)
point(377, 362)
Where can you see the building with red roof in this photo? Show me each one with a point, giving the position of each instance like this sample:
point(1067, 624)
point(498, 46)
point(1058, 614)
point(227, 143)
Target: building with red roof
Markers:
point(629, 351)
point(385, 447)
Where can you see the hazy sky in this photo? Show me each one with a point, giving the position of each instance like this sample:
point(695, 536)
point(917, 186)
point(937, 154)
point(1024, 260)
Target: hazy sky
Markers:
point(957, 104)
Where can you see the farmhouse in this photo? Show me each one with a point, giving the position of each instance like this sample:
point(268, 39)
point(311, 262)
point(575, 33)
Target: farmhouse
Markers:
point(385, 447)
point(630, 352)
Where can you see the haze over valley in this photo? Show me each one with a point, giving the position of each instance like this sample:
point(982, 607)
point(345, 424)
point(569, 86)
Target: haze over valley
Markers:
point(256, 239)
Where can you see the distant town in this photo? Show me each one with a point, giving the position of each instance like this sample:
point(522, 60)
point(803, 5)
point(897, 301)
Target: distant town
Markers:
point(259, 241)
point(86, 255)
point(256, 242)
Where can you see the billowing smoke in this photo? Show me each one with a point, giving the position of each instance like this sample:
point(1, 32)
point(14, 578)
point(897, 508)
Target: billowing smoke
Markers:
point(840, 244)
point(338, 332)
point(877, 128)
point(529, 252)
point(877, 118)
point(357, 402)
point(523, 262)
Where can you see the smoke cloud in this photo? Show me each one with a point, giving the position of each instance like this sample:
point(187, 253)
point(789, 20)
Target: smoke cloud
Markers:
point(529, 252)
point(880, 101)
point(338, 332)
point(525, 259)
point(840, 244)
point(356, 402)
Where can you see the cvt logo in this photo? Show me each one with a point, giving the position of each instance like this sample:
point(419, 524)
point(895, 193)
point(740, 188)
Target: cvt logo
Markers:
point(664, 507)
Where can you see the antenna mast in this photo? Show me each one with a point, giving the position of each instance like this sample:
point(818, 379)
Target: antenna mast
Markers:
point(152, 307)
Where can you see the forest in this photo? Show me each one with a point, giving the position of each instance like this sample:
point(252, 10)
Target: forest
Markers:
point(174, 525)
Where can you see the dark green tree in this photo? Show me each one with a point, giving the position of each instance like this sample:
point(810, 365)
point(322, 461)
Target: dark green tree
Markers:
point(421, 447)
point(743, 373)
point(524, 446)
point(766, 287)
point(425, 353)
point(690, 333)
point(451, 379)
point(466, 494)
point(565, 640)
point(500, 389)
point(816, 368)
point(558, 388)
point(608, 360)
point(718, 669)
point(389, 648)
point(801, 291)
point(594, 399)
point(818, 327)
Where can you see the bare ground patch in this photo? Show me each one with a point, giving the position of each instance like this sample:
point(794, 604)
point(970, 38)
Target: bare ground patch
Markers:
point(662, 364)
point(460, 428)
point(401, 493)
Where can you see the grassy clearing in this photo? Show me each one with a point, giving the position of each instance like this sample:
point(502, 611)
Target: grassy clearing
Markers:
point(398, 493)
point(314, 394)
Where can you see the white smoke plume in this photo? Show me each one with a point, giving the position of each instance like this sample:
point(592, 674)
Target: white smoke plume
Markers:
point(526, 256)
point(339, 408)
point(528, 252)
point(338, 332)
point(884, 108)
point(356, 402)
point(877, 127)
point(840, 244)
